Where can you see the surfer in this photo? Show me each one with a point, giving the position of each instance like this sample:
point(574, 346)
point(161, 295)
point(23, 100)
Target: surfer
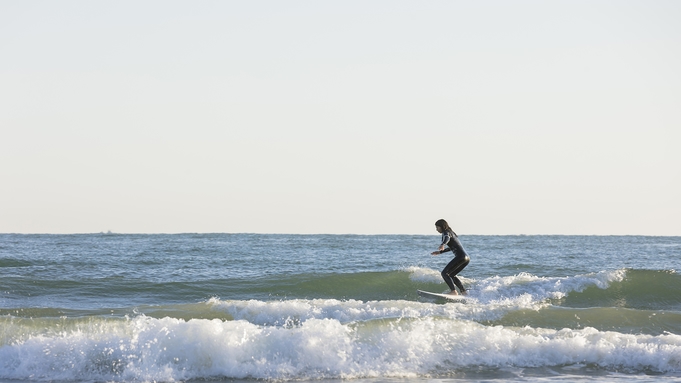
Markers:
point(450, 242)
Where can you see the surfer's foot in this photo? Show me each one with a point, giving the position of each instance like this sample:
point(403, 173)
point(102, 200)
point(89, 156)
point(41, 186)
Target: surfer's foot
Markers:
point(464, 292)
point(453, 292)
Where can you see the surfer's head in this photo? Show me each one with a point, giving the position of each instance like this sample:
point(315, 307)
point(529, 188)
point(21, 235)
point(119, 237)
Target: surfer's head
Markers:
point(441, 225)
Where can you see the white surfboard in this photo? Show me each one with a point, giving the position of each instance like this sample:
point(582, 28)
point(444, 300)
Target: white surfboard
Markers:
point(453, 298)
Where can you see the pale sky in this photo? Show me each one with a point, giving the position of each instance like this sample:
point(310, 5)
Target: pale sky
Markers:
point(359, 117)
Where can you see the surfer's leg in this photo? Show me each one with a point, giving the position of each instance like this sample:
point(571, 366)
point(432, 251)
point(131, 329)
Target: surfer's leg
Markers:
point(454, 267)
point(447, 274)
point(458, 284)
point(448, 279)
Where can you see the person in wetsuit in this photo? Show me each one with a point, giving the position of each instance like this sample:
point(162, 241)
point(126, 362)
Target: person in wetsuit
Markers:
point(450, 242)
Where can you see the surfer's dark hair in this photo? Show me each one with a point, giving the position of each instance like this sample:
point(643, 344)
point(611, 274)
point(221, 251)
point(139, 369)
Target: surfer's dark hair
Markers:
point(442, 224)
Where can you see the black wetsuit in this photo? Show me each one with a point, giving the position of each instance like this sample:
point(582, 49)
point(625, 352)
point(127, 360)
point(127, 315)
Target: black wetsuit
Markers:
point(457, 264)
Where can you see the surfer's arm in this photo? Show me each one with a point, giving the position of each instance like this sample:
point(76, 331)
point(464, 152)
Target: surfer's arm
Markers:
point(445, 241)
point(440, 251)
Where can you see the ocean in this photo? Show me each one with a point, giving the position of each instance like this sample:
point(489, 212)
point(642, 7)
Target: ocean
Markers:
point(329, 308)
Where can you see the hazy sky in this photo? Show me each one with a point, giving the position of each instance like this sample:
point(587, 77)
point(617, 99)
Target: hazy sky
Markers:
point(363, 117)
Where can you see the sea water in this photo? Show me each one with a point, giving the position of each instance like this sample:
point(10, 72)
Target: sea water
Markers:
point(244, 307)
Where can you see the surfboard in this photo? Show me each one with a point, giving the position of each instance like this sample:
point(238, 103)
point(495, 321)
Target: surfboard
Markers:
point(453, 298)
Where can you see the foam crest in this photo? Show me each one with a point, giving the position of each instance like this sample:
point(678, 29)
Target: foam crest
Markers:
point(148, 349)
point(290, 313)
point(423, 274)
point(528, 288)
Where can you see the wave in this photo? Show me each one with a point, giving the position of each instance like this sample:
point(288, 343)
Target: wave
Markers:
point(170, 349)
point(624, 288)
point(637, 289)
point(627, 288)
point(13, 262)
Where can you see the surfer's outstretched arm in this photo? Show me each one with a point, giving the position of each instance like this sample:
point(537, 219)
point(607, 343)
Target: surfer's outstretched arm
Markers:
point(440, 251)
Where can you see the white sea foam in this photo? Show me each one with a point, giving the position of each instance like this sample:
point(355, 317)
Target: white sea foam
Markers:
point(423, 274)
point(168, 349)
point(539, 287)
point(293, 312)
point(542, 288)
